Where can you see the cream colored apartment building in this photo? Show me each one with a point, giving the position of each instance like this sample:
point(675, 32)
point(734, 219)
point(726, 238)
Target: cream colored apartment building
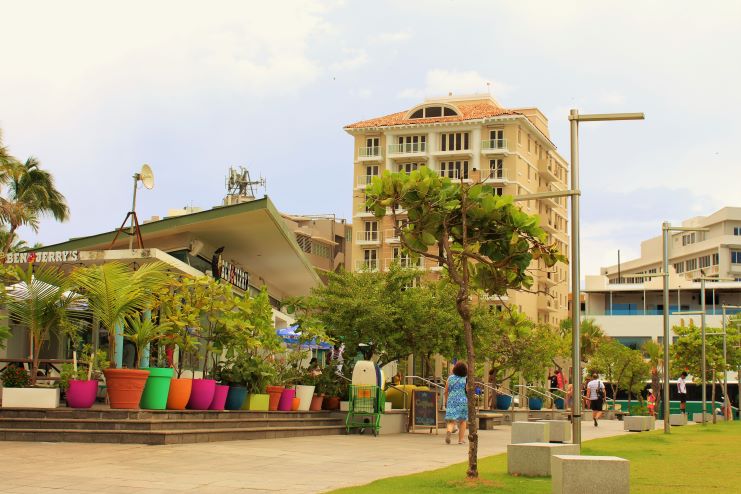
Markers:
point(468, 138)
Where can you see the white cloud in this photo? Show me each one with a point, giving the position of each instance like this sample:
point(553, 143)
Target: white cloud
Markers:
point(355, 58)
point(439, 82)
point(391, 38)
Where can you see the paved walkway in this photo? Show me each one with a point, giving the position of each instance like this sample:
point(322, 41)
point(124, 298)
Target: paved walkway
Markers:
point(296, 465)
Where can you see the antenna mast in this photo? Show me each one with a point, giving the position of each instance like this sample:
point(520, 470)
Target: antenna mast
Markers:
point(240, 187)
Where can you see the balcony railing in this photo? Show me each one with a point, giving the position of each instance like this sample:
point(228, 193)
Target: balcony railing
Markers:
point(392, 235)
point(455, 173)
point(494, 145)
point(364, 180)
point(366, 265)
point(494, 175)
point(369, 237)
point(408, 148)
point(369, 152)
point(405, 262)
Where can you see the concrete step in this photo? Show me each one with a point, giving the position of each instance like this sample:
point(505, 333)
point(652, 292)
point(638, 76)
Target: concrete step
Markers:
point(165, 437)
point(162, 425)
point(106, 413)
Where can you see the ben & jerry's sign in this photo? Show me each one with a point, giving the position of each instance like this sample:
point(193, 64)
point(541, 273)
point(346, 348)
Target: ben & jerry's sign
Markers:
point(42, 257)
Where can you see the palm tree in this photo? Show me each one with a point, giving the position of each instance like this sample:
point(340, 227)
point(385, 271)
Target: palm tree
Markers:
point(42, 302)
point(31, 193)
point(141, 332)
point(655, 355)
point(592, 336)
point(115, 292)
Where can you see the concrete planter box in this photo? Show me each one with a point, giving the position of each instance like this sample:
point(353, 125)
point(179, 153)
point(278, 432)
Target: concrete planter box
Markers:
point(559, 431)
point(697, 417)
point(530, 432)
point(677, 419)
point(344, 406)
point(534, 459)
point(30, 397)
point(639, 423)
point(602, 474)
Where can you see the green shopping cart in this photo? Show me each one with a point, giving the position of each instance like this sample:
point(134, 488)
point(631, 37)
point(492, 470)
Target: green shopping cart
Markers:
point(367, 403)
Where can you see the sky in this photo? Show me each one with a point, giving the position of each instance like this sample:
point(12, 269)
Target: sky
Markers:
point(95, 89)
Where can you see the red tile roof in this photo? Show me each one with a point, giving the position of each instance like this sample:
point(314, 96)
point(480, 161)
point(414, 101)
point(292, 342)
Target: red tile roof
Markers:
point(469, 111)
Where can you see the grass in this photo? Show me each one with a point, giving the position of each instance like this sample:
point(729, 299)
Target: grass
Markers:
point(692, 459)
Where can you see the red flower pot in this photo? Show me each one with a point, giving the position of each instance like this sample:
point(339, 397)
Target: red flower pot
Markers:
point(125, 386)
point(81, 394)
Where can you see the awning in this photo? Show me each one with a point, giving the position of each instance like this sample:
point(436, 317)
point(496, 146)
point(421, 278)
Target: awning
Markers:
point(291, 335)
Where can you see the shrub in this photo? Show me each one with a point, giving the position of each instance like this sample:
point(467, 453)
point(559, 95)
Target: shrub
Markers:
point(16, 377)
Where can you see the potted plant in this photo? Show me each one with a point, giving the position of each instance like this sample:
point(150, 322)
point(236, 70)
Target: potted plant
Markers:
point(80, 384)
point(330, 385)
point(180, 387)
point(142, 331)
point(258, 372)
point(560, 401)
point(287, 373)
point(114, 292)
point(535, 401)
point(41, 301)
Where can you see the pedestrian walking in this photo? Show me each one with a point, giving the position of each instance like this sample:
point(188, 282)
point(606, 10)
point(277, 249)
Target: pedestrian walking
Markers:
point(596, 394)
point(682, 392)
point(651, 403)
point(456, 403)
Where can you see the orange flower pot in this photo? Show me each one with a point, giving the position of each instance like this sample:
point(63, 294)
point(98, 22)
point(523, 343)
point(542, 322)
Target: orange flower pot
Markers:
point(125, 387)
point(179, 393)
point(295, 404)
point(274, 392)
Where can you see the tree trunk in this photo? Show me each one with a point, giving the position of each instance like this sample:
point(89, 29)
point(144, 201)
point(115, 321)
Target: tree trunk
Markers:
point(9, 242)
point(473, 436)
point(712, 399)
point(35, 363)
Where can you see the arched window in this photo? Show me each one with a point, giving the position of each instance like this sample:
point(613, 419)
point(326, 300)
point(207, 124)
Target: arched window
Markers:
point(434, 111)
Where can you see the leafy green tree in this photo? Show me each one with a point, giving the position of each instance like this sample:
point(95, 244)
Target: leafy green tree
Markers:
point(483, 240)
point(29, 192)
point(114, 292)
point(611, 359)
point(380, 310)
point(655, 354)
point(42, 302)
point(635, 375)
point(592, 336)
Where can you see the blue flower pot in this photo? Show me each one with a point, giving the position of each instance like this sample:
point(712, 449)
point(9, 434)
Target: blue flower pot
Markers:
point(235, 398)
point(504, 402)
point(559, 403)
point(535, 403)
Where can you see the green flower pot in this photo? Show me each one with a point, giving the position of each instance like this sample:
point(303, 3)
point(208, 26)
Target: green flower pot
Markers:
point(157, 388)
point(259, 402)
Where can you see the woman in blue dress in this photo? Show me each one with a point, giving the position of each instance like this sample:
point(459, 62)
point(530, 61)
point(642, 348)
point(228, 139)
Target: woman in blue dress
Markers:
point(456, 408)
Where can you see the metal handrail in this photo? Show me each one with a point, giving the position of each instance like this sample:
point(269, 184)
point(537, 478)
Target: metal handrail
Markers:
point(426, 381)
point(402, 391)
point(547, 394)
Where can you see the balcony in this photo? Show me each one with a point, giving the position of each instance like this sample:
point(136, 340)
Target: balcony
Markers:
point(494, 175)
point(546, 304)
point(392, 236)
point(455, 174)
point(494, 146)
point(366, 265)
point(557, 202)
point(370, 153)
point(547, 168)
point(364, 181)
point(549, 226)
point(405, 262)
point(550, 278)
point(368, 238)
point(362, 212)
point(406, 150)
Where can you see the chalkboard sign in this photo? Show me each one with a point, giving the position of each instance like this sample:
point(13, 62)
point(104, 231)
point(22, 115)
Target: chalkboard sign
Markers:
point(424, 409)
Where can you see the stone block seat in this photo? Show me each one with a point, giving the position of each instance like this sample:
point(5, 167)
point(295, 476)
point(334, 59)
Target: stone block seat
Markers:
point(697, 417)
point(572, 474)
point(677, 419)
point(487, 421)
point(559, 431)
point(530, 432)
point(534, 459)
point(638, 423)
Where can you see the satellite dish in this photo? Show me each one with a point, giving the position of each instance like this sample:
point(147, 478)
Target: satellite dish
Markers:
point(147, 177)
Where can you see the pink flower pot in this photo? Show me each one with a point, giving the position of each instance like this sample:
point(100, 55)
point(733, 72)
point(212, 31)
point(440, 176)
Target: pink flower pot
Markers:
point(219, 400)
point(286, 400)
point(202, 394)
point(81, 394)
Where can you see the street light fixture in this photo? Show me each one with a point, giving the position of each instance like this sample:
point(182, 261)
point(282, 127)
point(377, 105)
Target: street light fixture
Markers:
point(574, 119)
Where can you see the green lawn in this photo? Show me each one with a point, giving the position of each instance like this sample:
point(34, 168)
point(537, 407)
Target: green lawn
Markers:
point(692, 459)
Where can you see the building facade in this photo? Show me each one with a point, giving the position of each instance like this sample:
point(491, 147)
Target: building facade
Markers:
point(324, 239)
point(473, 139)
point(629, 305)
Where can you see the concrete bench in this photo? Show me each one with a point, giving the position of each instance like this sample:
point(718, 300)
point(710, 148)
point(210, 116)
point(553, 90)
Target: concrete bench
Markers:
point(677, 419)
point(603, 474)
point(638, 423)
point(487, 421)
point(559, 431)
point(530, 432)
point(697, 417)
point(534, 459)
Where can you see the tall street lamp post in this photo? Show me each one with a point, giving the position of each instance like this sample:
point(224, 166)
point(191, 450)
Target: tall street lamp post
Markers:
point(574, 119)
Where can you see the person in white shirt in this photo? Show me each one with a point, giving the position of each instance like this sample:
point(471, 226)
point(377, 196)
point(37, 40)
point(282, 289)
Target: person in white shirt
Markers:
point(596, 395)
point(682, 392)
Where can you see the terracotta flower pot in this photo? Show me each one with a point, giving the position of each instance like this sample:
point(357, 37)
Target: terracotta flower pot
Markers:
point(125, 386)
point(332, 403)
point(275, 393)
point(295, 404)
point(202, 394)
point(179, 393)
point(81, 394)
point(316, 403)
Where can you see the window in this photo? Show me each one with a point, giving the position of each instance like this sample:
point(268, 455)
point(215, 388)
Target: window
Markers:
point(409, 167)
point(454, 169)
point(736, 257)
point(373, 143)
point(704, 261)
point(412, 144)
point(716, 259)
point(496, 140)
point(691, 264)
point(454, 141)
point(434, 112)
point(496, 169)
point(304, 242)
point(498, 191)
point(528, 143)
point(679, 267)
point(737, 230)
point(321, 250)
point(370, 258)
point(370, 172)
point(688, 239)
point(519, 136)
point(370, 233)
